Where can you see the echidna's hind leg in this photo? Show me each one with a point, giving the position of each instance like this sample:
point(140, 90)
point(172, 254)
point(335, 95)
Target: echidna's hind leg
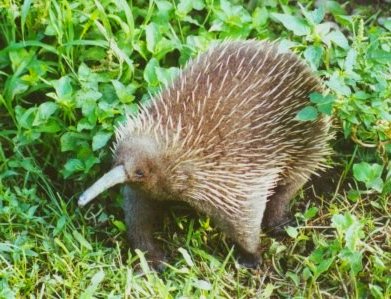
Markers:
point(277, 214)
point(143, 218)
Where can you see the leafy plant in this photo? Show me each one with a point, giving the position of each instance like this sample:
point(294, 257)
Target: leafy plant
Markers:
point(69, 73)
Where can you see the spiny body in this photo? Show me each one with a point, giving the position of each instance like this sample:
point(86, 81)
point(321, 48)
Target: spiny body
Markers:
point(224, 138)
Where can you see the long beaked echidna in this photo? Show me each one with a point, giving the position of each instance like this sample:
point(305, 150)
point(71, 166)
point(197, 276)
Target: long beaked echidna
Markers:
point(224, 138)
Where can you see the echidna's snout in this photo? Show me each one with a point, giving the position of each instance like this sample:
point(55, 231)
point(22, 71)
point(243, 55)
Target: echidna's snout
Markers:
point(115, 176)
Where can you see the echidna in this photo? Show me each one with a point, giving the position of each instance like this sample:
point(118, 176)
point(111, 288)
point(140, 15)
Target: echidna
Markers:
point(224, 138)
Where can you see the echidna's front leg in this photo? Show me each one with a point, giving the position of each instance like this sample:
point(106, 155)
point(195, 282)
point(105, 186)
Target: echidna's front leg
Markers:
point(249, 251)
point(143, 217)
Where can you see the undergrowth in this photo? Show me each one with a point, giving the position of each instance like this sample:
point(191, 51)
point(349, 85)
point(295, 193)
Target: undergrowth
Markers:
point(71, 70)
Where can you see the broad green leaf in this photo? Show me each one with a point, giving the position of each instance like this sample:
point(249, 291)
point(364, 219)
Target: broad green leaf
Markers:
point(150, 72)
point(292, 232)
point(152, 36)
point(85, 124)
point(100, 140)
point(370, 174)
point(313, 54)
point(308, 113)
point(25, 118)
point(387, 24)
point(260, 17)
point(72, 166)
point(324, 104)
point(63, 87)
point(314, 17)
point(124, 93)
point(380, 56)
point(310, 213)
point(337, 38)
point(353, 260)
point(120, 225)
point(337, 84)
point(45, 110)
point(350, 60)
point(166, 76)
point(71, 141)
point(333, 6)
point(50, 126)
point(297, 25)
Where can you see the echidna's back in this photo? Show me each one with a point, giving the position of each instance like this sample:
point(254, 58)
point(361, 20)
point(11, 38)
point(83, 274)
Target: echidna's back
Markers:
point(238, 102)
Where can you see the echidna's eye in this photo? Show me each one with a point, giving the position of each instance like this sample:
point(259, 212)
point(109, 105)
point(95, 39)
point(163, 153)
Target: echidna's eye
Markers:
point(139, 173)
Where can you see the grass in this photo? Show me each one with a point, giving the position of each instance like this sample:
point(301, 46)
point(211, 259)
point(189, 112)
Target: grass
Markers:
point(70, 70)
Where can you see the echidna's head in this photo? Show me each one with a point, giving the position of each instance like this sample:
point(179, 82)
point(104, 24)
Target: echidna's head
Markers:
point(143, 162)
point(140, 162)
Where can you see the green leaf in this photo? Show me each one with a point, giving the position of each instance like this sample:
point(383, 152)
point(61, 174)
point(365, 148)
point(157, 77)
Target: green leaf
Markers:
point(186, 256)
point(152, 36)
point(72, 166)
point(350, 60)
point(380, 56)
point(50, 126)
point(85, 124)
point(83, 242)
point(310, 213)
point(294, 277)
point(70, 141)
point(313, 54)
point(314, 17)
point(166, 76)
point(353, 259)
point(95, 282)
point(338, 84)
point(308, 113)
point(350, 228)
point(337, 38)
point(324, 265)
point(295, 24)
point(387, 24)
point(370, 174)
point(260, 17)
point(45, 110)
point(185, 6)
point(333, 6)
point(100, 140)
point(376, 291)
point(24, 12)
point(63, 87)
point(324, 104)
point(150, 72)
point(124, 93)
point(292, 232)
point(143, 262)
point(25, 118)
point(120, 225)
point(202, 285)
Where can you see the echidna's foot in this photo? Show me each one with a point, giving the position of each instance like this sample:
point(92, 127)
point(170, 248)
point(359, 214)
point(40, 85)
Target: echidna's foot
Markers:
point(249, 261)
point(157, 263)
point(277, 229)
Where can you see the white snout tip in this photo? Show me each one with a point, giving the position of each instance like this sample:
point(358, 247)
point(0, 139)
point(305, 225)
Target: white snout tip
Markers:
point(115, 176)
